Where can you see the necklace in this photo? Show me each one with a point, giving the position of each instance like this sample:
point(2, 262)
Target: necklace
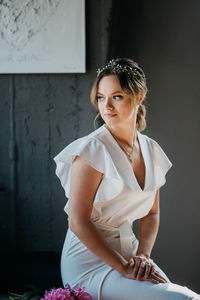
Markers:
point(129, 154)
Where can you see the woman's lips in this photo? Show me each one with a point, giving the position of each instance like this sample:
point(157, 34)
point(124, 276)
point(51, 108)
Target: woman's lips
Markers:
point(110, 115)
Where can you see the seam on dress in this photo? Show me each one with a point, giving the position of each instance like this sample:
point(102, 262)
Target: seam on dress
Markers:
point(101, 284)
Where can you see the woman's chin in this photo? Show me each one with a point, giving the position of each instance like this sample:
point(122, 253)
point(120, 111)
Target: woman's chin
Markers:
point(110, 120)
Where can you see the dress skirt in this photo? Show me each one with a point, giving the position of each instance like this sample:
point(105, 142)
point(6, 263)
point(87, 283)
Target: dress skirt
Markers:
point(80, 267)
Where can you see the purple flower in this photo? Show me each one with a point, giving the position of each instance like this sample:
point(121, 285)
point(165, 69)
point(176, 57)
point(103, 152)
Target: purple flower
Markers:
point(85, 296)
point(58, 294)
point(78, 292)
point(66, 294)
point(81, 295)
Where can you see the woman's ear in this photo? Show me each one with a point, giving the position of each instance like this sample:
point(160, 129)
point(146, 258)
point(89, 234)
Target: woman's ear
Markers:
point(140, 98)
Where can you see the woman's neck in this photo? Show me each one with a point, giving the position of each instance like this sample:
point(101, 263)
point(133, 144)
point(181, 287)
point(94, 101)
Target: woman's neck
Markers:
point(126, 135)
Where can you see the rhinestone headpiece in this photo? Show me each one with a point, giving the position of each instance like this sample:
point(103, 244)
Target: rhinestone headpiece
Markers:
point(113, 65)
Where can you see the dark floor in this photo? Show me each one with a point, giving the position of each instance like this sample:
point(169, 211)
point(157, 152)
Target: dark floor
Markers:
point(39, 269)
point(6, 297)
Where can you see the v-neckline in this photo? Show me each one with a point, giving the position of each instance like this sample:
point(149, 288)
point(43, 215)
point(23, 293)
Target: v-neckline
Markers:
point(130, 166)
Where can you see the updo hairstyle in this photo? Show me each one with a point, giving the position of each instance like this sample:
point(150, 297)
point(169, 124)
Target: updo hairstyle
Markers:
point(132, 81)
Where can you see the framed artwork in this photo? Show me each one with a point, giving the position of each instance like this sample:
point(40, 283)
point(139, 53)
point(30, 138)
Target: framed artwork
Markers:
point(42, 36)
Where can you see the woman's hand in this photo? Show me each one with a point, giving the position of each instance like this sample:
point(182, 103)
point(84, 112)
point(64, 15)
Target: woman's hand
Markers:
point(144, 270)
point(140, 268)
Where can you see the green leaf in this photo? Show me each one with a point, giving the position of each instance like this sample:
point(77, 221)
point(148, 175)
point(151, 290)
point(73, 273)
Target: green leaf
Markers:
point(36, 289)
point(26, 294)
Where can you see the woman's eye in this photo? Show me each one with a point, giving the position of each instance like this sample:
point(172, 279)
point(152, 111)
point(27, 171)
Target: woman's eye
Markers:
point(99, 98)
point(117, 97)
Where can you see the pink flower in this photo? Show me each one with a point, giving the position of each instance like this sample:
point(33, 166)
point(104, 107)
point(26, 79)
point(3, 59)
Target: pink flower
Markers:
point(85, 296)
point(81, 295)
point(66, 294)
point(57, 294)
point(78, 292)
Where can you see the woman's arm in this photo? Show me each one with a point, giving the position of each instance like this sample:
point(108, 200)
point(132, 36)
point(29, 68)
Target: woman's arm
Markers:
point(148, 229)
point(85, 181)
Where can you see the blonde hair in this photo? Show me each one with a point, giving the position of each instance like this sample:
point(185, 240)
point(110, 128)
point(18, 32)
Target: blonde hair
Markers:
point(130, 84)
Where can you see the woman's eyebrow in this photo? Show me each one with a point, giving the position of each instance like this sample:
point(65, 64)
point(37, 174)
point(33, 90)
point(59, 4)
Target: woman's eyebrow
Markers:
point(111, 93)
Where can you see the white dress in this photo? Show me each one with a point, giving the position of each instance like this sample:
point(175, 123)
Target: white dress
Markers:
point(118, 202)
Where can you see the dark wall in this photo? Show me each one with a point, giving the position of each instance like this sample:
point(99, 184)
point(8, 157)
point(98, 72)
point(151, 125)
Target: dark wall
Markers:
point(42, 113)
point(163, 37)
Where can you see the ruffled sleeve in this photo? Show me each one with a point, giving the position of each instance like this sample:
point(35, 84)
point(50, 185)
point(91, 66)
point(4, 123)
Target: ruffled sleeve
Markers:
point(93, 152)
point(161, 163)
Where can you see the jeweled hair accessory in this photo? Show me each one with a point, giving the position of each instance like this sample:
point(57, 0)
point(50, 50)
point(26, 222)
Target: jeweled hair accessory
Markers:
point(114, 66)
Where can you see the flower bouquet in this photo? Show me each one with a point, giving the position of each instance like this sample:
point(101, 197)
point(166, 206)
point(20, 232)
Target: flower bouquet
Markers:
point(67, 294)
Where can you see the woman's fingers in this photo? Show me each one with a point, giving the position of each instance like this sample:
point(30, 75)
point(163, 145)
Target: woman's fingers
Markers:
point(131, 262)
point(139, 267)
point(148, 269)
point(153, 280)
point(141, 271)
point(144, 270)
point(154, 271)
point(158, 278)
point(156, 275)
point(136, 267)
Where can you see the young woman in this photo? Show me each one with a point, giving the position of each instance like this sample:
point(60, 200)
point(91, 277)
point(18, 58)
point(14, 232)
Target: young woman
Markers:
point(112, 177)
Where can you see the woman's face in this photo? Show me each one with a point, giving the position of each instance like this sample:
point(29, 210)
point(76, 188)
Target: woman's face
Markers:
point(115, 106)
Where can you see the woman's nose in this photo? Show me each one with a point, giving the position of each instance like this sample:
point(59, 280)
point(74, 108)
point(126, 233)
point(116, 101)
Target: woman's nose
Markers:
point(108, 103)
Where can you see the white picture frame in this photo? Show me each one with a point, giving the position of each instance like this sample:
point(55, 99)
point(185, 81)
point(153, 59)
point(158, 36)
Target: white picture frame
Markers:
point(38, 36)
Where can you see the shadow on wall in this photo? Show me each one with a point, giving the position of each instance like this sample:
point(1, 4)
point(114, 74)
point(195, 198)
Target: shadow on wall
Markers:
point(41, 269)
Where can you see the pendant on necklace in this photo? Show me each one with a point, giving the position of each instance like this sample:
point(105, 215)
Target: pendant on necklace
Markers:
point(129, 154)
point(123, 148)
point(130, 159)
